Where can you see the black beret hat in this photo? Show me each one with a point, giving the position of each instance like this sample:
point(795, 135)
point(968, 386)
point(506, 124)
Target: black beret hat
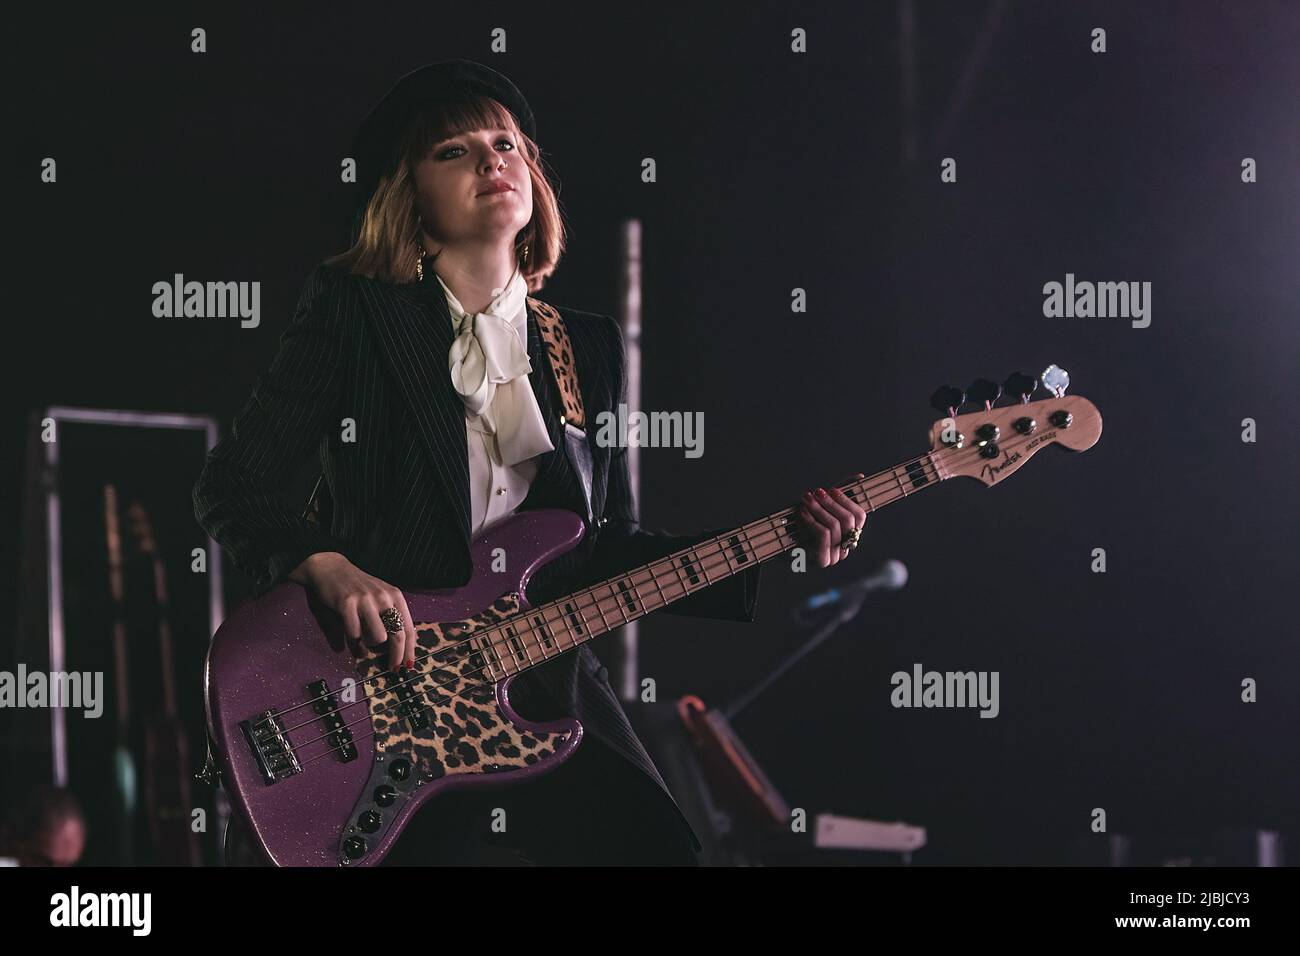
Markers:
point(375, 145)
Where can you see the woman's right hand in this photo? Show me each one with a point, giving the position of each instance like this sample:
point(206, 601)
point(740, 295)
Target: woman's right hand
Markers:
point(358, 598)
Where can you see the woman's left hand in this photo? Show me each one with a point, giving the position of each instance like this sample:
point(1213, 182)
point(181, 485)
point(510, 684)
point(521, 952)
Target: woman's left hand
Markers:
point(825, 519)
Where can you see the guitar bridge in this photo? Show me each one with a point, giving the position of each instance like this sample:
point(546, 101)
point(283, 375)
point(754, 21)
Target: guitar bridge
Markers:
point(271, 747)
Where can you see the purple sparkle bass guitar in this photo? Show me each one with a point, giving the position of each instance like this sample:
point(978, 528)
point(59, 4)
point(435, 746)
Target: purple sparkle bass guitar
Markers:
point(326, 759)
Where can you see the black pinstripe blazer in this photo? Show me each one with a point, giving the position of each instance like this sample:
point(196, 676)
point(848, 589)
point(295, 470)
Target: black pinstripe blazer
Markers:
point(398, 494)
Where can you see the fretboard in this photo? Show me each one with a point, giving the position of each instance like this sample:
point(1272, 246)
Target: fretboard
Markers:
point(559, 626)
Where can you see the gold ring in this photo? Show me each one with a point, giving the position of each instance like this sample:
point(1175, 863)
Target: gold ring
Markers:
point(392, 619)
point(851, 539)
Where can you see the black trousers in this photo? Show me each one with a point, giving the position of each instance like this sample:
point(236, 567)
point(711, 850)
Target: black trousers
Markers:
point(593, 810)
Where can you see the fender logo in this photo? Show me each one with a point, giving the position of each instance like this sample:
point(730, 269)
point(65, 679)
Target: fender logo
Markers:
point(992, 471)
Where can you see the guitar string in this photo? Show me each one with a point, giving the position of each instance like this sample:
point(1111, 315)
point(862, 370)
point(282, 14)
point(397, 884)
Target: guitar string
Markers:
point(462, 677)
point(720, 552)
point(705, 548)
point(665, 560)
point(706, 563)
point(471, 687)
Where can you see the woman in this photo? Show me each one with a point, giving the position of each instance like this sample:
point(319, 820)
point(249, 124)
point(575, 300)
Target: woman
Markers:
point(415, 365)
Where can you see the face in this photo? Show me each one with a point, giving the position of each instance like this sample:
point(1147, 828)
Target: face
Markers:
point(67, 842)
point(452, 188)
point(62, 846)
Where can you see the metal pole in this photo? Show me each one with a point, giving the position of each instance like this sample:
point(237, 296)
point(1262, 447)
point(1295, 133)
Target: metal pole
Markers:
point(626, 676)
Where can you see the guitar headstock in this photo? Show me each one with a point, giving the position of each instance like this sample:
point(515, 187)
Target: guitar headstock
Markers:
point(992, 443)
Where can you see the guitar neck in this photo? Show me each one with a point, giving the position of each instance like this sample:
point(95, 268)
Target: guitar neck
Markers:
point(537, 635)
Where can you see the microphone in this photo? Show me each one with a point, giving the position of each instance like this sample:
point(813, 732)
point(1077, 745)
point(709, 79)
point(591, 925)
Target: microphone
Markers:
point(890, 576)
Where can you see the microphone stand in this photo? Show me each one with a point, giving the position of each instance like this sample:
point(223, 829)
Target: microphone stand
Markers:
point(844, 611)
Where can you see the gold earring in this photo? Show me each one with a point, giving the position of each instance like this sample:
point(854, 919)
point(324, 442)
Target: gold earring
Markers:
point(420, 252)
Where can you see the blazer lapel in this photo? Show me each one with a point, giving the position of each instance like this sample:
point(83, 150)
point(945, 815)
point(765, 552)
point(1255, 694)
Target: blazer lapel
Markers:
point(414, 333)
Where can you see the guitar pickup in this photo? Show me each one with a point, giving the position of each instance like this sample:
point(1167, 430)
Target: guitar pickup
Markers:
point(271, 746)
point(326, 704)
point(410, 704)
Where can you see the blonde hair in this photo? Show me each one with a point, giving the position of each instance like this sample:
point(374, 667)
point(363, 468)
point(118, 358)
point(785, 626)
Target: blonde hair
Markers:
point(388, 241)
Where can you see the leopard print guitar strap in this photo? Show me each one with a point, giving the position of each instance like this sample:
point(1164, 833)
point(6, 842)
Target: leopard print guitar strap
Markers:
point(560, 351)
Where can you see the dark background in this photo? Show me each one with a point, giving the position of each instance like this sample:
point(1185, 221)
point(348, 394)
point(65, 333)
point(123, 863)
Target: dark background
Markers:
point(775, 171)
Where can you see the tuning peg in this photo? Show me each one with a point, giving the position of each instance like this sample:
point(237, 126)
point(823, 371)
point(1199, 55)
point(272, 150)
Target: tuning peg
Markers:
point(983, 392)
point(1018, 383)
point(948, 399)
point(1056, 380)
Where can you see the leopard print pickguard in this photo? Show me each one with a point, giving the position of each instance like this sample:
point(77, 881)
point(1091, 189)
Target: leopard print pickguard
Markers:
point(466, 733)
